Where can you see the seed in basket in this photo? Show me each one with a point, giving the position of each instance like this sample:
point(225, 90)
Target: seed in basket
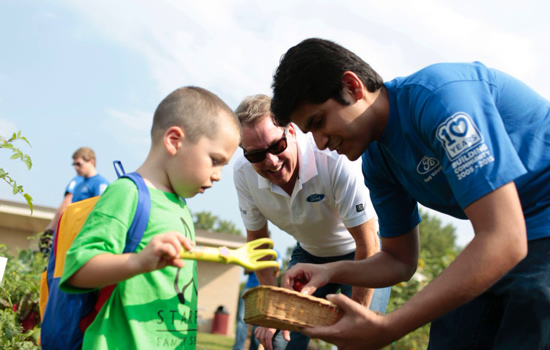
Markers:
point(299, 284)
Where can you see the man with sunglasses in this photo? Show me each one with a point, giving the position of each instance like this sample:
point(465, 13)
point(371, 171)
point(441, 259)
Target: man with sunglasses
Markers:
point(316, 196)
point(86, 184)
point(93, 184)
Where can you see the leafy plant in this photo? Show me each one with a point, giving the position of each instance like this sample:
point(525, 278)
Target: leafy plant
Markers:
point(19, 296)
point(17, 154)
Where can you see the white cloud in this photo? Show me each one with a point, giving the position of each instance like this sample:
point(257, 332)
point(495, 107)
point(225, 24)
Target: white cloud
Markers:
point(137, 120)
point(7, 128)
point(233, 47)
point(131, 130)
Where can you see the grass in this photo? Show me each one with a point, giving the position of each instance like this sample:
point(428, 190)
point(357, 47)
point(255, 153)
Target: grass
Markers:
point(208, 341)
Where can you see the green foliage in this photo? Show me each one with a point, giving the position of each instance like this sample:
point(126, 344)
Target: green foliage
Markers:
point(209, 222)
point(434, 238)
point(11, 335)
point(19, 296)
point(17, 154)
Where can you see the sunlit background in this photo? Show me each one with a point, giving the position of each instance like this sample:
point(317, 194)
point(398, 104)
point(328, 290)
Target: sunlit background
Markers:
point(91, 73)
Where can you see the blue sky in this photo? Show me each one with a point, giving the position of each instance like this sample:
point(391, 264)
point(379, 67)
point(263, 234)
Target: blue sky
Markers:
point(91, 73)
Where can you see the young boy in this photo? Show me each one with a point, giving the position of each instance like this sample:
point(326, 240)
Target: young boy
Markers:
point(154, 304)
point(460, 138)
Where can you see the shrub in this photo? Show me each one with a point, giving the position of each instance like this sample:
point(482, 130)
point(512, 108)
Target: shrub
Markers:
point(19, 296)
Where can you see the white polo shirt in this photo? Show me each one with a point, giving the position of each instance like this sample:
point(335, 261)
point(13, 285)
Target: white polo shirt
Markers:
point(329, 196)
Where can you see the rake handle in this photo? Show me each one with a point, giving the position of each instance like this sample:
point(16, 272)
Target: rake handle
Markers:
point(219, 255)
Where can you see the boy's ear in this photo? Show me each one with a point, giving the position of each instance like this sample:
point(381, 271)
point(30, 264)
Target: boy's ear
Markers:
point(173, 139)
point(353, 85)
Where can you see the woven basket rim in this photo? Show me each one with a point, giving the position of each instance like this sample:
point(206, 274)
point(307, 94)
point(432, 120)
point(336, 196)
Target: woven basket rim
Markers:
point(292, 292)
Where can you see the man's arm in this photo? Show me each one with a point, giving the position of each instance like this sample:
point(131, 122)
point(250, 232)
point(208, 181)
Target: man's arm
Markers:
point(367, 244)
point(500, 242)
point(66, 201)
point(396, 262)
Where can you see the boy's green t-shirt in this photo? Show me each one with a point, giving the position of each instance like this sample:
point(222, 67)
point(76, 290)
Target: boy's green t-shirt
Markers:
point(155, 310)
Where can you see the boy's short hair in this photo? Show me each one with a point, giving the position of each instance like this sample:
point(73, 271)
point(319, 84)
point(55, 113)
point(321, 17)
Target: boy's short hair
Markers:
point(252, 109)
point(312, 72)
point(195, 109)
point(85, 153)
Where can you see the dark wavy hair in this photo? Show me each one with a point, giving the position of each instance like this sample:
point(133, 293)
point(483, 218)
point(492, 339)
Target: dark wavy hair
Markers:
point(311, 72)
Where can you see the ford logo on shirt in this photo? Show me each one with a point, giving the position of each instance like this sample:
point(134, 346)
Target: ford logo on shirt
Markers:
point(315, 198)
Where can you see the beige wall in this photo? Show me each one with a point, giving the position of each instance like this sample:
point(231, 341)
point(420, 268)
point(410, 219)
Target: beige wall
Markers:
point(218, 286)
point(17, 224)
point(218, 283)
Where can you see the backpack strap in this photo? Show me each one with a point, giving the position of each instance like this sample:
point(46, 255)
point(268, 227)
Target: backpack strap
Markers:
point(141, 217)
point(118, 163)
point(133, 237)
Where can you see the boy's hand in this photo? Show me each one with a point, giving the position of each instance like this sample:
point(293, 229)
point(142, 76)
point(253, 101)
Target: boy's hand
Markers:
point(163, 250)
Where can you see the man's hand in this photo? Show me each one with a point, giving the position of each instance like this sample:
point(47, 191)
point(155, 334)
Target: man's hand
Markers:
point(308, 276)
point(359, 329)
point(46, 241)
point(265, 336)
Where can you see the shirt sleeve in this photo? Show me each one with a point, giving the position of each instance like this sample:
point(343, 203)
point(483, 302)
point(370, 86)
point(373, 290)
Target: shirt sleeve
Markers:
point(351, 196)
point(397, 211)
point(465, 130)
point(101, 186)
point(72, 185)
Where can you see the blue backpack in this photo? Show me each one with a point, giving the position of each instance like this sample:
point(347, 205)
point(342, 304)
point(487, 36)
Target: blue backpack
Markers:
point(65, 317)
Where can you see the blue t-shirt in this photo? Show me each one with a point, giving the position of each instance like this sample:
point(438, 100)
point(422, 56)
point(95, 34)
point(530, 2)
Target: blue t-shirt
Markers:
point(72, 185)
point(455, 133)
point(252, 281)
point(90, 187)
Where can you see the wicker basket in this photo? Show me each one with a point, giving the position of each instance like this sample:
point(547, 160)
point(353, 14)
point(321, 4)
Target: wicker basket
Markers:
point(281, 308)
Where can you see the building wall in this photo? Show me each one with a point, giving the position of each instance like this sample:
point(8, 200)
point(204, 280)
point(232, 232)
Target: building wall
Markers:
point(218, 283)
point(17, 224)
point(218, 286)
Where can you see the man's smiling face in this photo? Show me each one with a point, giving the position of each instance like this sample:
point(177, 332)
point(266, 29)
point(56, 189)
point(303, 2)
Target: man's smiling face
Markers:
point(282, 168)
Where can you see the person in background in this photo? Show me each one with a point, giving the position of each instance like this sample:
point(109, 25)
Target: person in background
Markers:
point(84, 162)
point(460, 138)
point(315, 196)
point(92, 184)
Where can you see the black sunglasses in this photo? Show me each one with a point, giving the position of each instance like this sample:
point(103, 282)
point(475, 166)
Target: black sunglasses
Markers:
point(276, 148)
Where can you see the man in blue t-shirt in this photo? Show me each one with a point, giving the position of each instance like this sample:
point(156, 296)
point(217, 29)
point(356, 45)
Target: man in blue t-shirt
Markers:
point(462, 139)
point(92, 184)
point(86, 184)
